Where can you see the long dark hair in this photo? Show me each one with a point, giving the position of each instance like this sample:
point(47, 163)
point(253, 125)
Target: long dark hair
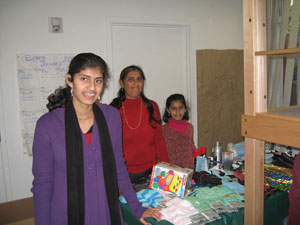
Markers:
point(117, 102)
point(170, 99)
point(62, 95)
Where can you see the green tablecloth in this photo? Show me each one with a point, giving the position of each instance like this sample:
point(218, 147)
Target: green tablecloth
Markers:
point(275, 209)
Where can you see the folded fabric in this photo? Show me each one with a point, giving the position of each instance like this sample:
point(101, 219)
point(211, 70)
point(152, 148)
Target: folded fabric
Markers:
point(204, 196)
point(198, 204)
point(204, 177)
point(278, 180)
point(178, 211)
point(166, 195)
point(283, 160)
point(148, 197)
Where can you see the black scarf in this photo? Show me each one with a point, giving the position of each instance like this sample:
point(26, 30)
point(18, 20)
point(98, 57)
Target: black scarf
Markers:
point(75, 167)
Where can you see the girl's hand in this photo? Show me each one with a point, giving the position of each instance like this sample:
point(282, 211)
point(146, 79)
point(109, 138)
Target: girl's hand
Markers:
point(150, 212)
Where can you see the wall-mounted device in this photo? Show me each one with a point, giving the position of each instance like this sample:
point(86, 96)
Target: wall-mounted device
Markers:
point(55, 25)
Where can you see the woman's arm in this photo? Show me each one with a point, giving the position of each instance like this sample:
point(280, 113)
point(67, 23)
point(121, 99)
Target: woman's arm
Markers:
point(42, 170)
point(159, 141)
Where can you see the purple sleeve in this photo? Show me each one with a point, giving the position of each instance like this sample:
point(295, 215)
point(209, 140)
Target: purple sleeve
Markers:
point(124, 183)
point(42, 170)
point(294, 195)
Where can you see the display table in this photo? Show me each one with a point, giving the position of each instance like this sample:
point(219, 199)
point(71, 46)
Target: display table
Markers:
point(276, 209)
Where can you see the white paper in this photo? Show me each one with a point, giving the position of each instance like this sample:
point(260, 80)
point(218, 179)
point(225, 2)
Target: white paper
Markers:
point(38, 76)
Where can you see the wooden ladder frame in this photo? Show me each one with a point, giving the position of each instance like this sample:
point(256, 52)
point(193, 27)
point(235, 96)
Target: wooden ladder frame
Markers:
point(255, 96)
point(258, 125)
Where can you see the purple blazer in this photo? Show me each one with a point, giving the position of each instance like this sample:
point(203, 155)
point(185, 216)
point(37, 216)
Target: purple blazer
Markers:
point(49, 170)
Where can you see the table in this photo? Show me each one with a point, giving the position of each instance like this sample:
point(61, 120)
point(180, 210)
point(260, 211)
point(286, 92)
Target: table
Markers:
point(276, 208)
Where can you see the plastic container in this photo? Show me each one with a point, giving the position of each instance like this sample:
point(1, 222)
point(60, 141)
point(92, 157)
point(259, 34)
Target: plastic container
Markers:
point(217, 150)
point(231, 148)
point(201, 164)
point(228, 160)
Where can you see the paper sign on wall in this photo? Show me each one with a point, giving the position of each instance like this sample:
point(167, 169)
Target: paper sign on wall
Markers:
point(38, 76)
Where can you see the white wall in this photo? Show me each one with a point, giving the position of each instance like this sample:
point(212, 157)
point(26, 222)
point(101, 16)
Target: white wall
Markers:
point(213, 24)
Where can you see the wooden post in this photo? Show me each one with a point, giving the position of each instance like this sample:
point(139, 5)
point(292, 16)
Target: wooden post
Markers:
point(255, 95)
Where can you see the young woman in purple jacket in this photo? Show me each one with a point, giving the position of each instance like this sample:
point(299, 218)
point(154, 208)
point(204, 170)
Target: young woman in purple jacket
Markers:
point(78, 163)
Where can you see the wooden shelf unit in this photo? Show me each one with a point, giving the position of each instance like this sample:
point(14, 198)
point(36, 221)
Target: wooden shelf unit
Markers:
point(274, 128)
point(289, 52)
point(280, 126)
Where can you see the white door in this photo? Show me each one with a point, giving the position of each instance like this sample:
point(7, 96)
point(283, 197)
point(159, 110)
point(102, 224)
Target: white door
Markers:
point(161, 51)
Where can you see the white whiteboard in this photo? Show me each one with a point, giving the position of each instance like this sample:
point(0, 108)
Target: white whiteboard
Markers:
point(38, 76)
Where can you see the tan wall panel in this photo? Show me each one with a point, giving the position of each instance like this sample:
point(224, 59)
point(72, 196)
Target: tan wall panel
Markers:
point(220, 87)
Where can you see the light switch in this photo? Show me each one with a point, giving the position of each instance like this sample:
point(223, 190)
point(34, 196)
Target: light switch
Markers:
point(55, 25)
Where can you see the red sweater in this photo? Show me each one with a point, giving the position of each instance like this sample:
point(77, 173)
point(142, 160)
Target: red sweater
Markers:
point(180, 146)
point(144, 146)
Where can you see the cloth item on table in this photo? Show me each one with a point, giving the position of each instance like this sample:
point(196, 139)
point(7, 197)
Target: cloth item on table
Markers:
point(166, 195)
point(283, 160)
point(148, 197)
point(235, 186)
point(178, 211)
point(283, 170)
point(205, 196)
point(278, 180)
point(198, 204)
point(268, 157)
point(240, 176)
point(204, 177)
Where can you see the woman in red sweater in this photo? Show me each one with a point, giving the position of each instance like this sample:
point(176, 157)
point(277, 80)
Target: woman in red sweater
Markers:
point(143, 143)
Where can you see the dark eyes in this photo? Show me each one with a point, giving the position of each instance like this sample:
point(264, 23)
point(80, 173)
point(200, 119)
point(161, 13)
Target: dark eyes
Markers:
point(139, 79)
point(174, 108)
point(98, 81)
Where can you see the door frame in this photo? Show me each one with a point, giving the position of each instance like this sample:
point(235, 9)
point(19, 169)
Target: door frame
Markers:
point(191, 81)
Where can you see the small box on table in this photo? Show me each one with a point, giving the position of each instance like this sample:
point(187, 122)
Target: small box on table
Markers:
point(171, 178)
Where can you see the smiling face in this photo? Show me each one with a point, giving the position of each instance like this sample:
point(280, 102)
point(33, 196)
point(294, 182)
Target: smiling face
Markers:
point(176, 110)
point(133, 84)
point(87, 86)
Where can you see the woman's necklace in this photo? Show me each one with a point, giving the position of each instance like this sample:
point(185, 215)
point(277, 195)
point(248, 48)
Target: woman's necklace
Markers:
point(139, 123)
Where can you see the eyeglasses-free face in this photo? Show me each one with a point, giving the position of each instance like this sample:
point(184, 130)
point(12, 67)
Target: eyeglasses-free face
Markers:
point(87, 86)
point(133, 84)
point(176, 110)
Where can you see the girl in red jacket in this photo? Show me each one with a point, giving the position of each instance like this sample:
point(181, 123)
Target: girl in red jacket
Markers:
point(178, 133)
